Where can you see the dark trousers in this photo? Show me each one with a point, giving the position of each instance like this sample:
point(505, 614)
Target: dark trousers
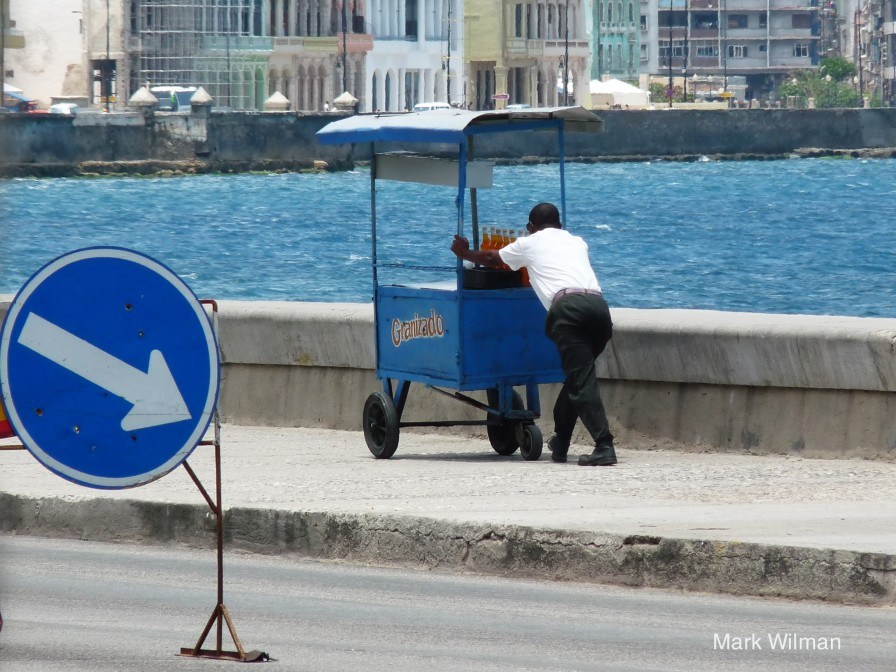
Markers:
point(581, 327)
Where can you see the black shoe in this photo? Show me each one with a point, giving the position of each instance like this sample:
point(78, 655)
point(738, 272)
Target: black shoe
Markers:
point(603, 456)
point(559, 448)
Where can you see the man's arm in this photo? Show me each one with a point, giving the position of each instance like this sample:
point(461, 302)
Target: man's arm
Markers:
point(461, 247)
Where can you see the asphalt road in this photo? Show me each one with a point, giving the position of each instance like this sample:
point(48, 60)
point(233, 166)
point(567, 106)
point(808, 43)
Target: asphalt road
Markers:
point(72, 605)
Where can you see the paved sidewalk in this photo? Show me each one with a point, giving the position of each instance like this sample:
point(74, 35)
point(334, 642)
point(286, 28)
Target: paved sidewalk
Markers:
point(650, 498)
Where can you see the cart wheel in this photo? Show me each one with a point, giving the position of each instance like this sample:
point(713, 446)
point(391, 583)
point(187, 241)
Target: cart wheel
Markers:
point(530, 446)
point(503, 437)
point(380, 425)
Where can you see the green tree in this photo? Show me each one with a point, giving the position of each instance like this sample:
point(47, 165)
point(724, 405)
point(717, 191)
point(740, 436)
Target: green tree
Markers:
point(821, 85)
point(838, 68)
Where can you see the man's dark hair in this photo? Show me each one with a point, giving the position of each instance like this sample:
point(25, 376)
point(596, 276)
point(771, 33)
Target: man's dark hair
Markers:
point(545, 215)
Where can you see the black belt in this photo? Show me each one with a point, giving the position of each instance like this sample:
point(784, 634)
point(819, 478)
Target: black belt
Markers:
point(574, 290)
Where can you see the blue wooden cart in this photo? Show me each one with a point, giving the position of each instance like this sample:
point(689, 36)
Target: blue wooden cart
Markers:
point(481, 330)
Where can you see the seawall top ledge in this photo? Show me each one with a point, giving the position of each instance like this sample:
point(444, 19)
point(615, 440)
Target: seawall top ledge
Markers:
point(683, 346)
point(663, 345)
point(752, 349)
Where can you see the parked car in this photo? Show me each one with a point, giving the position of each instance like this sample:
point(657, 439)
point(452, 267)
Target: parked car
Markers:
point(173, 98)
point(64, 108)
point(429, 107)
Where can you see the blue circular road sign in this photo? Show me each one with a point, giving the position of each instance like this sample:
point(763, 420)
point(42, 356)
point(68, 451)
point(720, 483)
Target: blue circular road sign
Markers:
point(109, 367)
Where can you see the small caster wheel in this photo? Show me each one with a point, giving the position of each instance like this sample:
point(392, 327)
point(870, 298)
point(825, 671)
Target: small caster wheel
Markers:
point(380, 425)
point(503, 436)
point(530, 446)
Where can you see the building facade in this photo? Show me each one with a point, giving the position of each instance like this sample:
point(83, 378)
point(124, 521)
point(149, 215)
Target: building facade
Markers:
point(417, 54)
point(874, 39)
point(392, 54)
point(616, 39)
point(762, 41)
point(528, 53)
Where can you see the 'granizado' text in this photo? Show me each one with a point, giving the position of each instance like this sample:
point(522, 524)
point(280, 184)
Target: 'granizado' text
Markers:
point(778, 641)
point(431, 326)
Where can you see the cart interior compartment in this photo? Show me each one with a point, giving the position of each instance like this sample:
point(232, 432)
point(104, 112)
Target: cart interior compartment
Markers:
point(491, 278)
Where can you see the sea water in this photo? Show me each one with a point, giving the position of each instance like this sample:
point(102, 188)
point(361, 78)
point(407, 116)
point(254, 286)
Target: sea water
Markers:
point(810, 236)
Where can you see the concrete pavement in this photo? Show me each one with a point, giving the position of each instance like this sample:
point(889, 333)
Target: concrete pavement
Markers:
point(754, 525)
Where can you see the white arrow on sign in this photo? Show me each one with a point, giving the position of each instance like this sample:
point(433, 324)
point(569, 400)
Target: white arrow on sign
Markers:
point(154, 394)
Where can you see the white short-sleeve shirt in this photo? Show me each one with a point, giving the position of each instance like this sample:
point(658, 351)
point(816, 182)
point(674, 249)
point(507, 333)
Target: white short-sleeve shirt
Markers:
point(555, 260)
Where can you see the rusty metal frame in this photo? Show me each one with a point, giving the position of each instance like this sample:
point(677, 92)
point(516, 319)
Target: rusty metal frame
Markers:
point(220, 615)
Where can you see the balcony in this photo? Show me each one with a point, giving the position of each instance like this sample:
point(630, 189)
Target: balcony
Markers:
point(240, 43)
point(749, 33)
point(520, 47)
point(738, 6)
point(790, 6)
point(579, 48)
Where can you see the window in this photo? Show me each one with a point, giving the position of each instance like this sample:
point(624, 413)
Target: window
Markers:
point(800, 21)
point(706, 49)
point(645, 55)
point(737, 51)
point(737, 21)
point(704, 21)
point(763, 20)
point(677, 49)
point(643, 22)
point(518, 21)
point(801, 50)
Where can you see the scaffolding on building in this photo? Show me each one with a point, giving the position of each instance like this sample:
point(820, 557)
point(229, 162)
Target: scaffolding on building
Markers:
point(216, 44)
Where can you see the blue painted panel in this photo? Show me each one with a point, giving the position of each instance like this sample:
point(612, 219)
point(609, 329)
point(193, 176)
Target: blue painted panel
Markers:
point(485, 338)
point(504, 339)
point(418, 334)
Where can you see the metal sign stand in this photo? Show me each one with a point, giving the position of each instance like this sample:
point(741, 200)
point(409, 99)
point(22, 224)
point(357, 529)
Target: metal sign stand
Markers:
point(220, 615)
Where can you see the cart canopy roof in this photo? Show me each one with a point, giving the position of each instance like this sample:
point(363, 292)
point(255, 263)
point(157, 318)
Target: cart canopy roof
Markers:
point(453, 125)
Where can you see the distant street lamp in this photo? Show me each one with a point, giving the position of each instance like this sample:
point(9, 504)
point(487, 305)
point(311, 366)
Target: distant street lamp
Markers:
point(566, 54)
point(858, 40)
point(2, 53)
point(344, 49)
point(107, 69)
point(448, 59)
point(684, 61)
point(671, 90)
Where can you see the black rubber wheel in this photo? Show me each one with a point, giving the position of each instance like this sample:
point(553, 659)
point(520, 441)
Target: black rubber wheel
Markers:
point(532, 443)
point(503, 436)
point(380, 425)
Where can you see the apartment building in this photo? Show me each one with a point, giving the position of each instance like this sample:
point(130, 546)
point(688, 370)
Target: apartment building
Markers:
point(416, 55)
point(873, 27)
point(532, 53)
point(616, 39)
point(762, 41)
point(10, 38)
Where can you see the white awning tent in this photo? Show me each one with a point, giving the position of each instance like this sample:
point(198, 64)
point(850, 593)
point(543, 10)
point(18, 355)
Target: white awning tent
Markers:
point(616, 92)
point(9, 88)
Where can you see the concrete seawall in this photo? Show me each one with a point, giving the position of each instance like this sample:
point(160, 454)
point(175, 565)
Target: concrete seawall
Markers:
point(130, 142)
point(817, 386)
